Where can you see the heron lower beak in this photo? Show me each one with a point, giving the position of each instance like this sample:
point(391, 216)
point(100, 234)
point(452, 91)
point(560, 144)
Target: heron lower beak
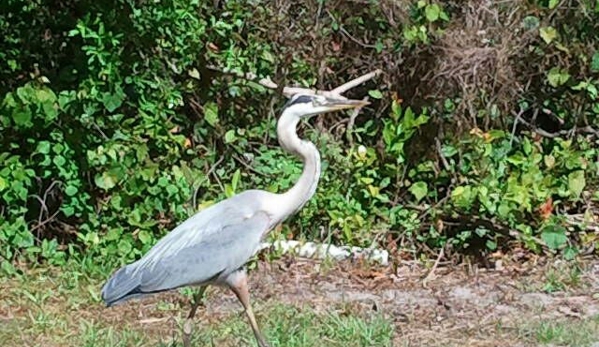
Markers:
point(339, 104)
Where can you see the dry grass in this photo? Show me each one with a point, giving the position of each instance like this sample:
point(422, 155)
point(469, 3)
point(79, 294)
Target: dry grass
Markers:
point(477, 57)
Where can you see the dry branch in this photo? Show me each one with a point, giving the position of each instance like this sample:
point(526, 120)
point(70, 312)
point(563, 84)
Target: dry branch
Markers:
point(290, 91)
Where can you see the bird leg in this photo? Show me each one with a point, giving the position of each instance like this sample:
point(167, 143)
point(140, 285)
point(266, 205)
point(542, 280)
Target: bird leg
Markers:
point(196, 301)
point(238, 284)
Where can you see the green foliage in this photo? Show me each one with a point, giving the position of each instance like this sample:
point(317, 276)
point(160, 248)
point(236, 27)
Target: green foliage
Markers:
point(112, 129)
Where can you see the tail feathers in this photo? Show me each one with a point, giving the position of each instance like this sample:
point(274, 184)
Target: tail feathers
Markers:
point(122, 286)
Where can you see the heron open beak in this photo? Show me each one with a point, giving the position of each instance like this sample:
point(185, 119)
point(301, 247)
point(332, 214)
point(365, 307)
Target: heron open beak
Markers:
point(340, 104)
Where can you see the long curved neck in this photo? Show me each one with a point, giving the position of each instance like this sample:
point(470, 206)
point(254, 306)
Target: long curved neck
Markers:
point(305, 187)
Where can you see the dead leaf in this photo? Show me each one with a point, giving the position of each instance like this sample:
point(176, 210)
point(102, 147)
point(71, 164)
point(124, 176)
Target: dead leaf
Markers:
point(153, 320)
point(546, 209)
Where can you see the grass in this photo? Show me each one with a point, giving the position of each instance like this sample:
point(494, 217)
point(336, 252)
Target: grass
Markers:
point(53, 308)
point(564, 332)
point(62, 307)
point(561, 277)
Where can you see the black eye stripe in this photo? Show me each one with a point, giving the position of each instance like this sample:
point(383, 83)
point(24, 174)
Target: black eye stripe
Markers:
point(302, 99)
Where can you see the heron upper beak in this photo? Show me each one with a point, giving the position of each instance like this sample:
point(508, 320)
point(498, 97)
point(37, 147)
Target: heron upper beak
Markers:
point(339, 104)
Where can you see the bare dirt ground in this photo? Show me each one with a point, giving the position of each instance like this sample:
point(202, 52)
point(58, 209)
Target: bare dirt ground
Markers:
point(460, 306)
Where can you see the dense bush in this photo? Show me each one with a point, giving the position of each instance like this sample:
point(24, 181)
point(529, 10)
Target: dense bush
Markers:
point(113, 128)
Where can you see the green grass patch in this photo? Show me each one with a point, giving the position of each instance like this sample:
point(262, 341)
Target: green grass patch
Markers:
point(564, 332)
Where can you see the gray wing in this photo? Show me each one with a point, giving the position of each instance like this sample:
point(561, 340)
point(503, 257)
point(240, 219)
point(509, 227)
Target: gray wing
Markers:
point(210, 256)
point(216, 241)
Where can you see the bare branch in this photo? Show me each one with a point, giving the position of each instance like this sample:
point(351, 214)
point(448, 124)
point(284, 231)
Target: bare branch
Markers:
point(431, 274)
point(356, 82)
point(289, 91)
point(589, 130)
point(350, 125)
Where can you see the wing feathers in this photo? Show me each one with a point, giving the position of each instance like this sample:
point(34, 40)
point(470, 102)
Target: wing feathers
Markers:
point(196, 252)
point(121, 284)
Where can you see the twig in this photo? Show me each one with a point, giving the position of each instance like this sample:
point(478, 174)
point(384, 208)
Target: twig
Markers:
point(518, 115)
point(290, 91)
point(431, 273)
point(240, 161)
point(492, 224)
point(49, 219)
point(440, 151)
point(100, 131)
point(43, 207)
point(584, 130)
point(349, 36)
point(195, 193)
point(356, 82)
point(350, 124)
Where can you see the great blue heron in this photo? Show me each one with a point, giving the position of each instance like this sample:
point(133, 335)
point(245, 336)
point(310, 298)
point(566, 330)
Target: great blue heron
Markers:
point(212, 246)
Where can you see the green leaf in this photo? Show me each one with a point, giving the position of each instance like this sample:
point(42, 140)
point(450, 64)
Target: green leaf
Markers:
point(194, 73)
point(59, 161)
point(463, 196)
point(142, 152)
point(375, 94)
point(145, 237)
point(230, 136)
point(172, 189)
point(112, 101)
point(432, 12)
point(595, 62)
point(211, 113)
point(570, 252)
point(44, 95)
point(553, 3)
point(71, 190)
point(548, 34)
point(43, 147)
point(557, 77)
point(229, 192)
point(22, 116)
point(124, 246)
point(105, 181)
point(419, 190)
point(3, 184)
point(266, 55)
point(491, 245)
point(68, 210)
point(576, 182)
point(554, 236)
point(530, 22)
point(549, 161)
point(235, 180)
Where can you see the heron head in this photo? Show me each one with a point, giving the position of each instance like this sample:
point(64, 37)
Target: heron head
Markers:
point(304, 105)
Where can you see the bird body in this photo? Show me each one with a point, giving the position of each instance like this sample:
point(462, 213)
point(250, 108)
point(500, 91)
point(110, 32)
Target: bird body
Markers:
point(212, 246)
point(194, 252)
